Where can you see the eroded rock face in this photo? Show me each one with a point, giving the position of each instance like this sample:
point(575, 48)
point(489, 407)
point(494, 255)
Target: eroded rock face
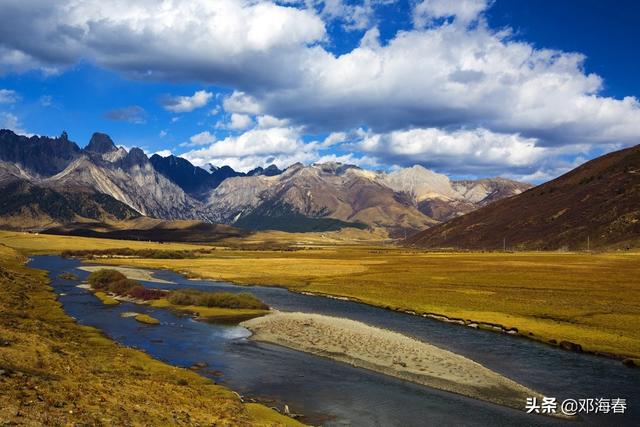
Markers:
point(101, 143)
point(401, 201)
point(60, 167)
point(38, 155)
point(317, 197)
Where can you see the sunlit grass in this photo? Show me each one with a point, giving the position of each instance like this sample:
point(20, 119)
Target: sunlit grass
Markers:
point(590, 299)
point(56, 372)
point(145, 318)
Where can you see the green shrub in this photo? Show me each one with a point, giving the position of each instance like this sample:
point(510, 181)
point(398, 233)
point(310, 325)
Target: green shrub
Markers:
point(122, 287)
point(146, 294)
point(215, 299)
point(102, 278)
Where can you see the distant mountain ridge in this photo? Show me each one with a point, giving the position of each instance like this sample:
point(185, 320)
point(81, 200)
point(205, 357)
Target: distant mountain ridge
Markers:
point(596, 205)
point(403, 200)
point(300, 198)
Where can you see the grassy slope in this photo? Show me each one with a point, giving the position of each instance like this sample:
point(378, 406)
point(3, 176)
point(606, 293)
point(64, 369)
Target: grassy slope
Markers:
point(593, 300)
point(54, 372)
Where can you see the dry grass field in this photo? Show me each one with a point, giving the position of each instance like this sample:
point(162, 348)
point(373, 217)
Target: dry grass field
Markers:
point(589, 299)
point(55, 372)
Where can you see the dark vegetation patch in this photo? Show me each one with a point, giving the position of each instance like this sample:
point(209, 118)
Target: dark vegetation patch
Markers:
point(138, 253)
point(114, 282)
point(61, 206)
point(216, 299)
point(283, 217)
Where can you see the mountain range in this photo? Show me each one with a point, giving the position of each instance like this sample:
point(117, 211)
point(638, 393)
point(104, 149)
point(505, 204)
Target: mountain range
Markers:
point(596, 205)
point(51, 182)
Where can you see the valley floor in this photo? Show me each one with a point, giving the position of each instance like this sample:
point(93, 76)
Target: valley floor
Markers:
point(56, 372)
point(589, 299)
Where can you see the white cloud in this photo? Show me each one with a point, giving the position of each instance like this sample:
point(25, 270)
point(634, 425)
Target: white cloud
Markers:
point(450, 72)
point(11, 121)
point(334, 139)
point(256, 147)
point(282, 146)
point(455, 77)
point(185, 104)
point(163, 133)
point(8, 96)
point(202, 138)
point(240, 121)
point(354, 16)
point(219, 41)
point(266, 122)
point(240, 102)
point(464, 11)
point(463, 149)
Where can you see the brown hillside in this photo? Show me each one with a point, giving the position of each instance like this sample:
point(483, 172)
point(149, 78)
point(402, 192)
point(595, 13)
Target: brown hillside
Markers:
point(599, 201)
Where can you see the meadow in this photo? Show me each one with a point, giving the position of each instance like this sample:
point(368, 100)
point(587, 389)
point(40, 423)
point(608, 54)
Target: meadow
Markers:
point(592, 299)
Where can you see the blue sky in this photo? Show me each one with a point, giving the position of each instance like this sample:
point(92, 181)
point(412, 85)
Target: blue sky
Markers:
point(470, 88)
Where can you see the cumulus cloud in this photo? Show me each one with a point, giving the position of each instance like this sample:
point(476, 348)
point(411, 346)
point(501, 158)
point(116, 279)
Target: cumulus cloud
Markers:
point(12, 122)
point(240, 102)
point(132, 114)
point(202, 138)
point(265, 122)
point(281, 146)
point(185, 104)
point(8, 96)
point(222, 41)
point(463, 11)
point(481, 88)
point(463, 150)
point(256, 147)
point(240, 121)
point(354, 16)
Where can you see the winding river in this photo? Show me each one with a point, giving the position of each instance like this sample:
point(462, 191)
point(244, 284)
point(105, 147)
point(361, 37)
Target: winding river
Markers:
point(335, 394)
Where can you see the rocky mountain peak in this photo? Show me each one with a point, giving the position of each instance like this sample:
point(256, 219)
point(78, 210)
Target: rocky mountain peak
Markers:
point(271, 170)
point(101, 143)
point(135, 157)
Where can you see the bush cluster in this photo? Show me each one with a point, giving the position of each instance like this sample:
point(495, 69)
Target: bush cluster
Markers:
point(101, 279)
point(117, 283)
point(215, 299)
point(138, 253)
point(114, 282)
point(146, 294)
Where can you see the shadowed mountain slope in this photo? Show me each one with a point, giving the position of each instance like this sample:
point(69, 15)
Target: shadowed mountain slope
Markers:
point(598, 201)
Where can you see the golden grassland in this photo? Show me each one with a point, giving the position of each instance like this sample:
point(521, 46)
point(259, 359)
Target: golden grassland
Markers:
point(589, 299)
point(105, 298)
point(56, 372)
point(145, 318)
point(36, 243)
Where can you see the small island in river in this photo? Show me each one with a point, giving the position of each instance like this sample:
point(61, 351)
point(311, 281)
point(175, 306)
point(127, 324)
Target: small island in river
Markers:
point(389, 353)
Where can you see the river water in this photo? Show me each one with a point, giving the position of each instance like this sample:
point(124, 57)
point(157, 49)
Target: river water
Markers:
point(335, 394)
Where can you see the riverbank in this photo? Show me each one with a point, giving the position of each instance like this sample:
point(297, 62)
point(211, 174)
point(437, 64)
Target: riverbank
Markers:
point(389, 353)
point(56, 372)
point(131, 273)
point(587, 302)
point(587, 299)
